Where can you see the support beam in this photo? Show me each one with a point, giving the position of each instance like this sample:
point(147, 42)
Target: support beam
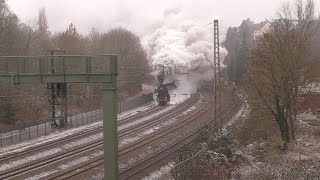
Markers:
point(109, 100)
point(54, 69)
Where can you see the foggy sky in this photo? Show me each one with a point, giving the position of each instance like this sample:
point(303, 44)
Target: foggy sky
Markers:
point(139, 15)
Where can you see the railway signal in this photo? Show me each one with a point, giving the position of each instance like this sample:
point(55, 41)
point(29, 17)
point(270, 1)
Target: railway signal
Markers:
point(57, 93)
point(73, 69)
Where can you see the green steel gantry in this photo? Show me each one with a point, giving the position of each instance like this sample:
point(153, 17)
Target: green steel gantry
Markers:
point(62, 69)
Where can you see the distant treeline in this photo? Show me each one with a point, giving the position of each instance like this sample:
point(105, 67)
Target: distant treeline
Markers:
point(34, 38)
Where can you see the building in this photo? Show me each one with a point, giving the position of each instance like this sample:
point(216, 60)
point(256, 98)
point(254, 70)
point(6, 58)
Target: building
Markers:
point(262, 30)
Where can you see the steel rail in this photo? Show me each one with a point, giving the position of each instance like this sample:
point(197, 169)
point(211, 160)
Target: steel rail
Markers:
point(162, 153)
point(99, 161)
point(75, 136)
point(11, 173)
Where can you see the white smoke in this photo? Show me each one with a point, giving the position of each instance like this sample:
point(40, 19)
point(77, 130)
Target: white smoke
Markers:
point(184, 51)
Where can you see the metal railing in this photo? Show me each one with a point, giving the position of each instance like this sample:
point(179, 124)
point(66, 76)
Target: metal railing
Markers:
point(74, 119)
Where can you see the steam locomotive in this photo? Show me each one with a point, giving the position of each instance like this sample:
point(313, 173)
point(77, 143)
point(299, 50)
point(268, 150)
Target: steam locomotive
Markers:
point(162, 92)
point(162, 95)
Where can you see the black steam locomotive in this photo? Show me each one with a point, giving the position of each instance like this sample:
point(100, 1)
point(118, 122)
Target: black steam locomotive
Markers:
point(162, 95)
point(162, 92)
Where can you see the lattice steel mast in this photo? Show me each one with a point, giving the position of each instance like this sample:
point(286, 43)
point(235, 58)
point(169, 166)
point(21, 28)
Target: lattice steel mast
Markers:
point(217, 73)
point(57, 93)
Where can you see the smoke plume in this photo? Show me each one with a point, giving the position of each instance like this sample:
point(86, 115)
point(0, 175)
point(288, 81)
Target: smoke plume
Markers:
point(183, 50)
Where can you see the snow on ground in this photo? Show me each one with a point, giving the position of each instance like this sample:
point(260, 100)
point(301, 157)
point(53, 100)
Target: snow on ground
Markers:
point(29, 158)
point(136, 110)
point(68, 165)
point(61, 134)
point(138, 136)
point(73, 163)
point(57, 135)
point(128, 140)
point(44, 139)
point(166, 169)
point(98, 176)
point(82, 141)
point(45, 153)
point(166, 123)
point(194, 107)
point(244, 111)
point(39, 176)
point(306, 116)
point(138, 121)
point(159, 173)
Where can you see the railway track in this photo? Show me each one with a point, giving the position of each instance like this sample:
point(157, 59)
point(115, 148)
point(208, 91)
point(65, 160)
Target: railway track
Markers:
point(71, 173)
point(75, 136)
point(94, 145)
point(141, 166)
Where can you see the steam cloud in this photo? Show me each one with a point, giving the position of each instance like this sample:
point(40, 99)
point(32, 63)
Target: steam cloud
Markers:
point(184, 51)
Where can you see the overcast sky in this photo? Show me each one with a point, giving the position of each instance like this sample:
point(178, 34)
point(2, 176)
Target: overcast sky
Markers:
point(138, 15)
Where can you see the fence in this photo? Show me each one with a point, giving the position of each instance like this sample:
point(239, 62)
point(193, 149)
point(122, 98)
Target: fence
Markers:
point(74, 120)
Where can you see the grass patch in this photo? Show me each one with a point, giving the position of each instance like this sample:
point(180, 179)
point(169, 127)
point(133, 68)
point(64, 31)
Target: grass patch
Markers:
point(313, 122)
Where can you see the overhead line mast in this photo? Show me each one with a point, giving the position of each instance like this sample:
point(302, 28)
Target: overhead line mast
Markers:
point(217, 72)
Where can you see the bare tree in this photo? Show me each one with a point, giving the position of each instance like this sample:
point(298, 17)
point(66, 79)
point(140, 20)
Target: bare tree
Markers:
point(132, 57)
point(71, 41)
point(8, 28)
point(280, 65)
point(94, 39)
point(42, 33)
